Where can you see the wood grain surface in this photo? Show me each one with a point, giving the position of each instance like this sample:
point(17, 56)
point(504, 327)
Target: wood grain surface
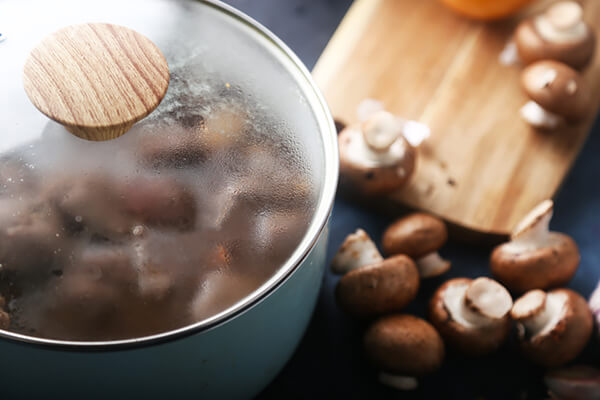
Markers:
point(96, 79)
point(483, 167)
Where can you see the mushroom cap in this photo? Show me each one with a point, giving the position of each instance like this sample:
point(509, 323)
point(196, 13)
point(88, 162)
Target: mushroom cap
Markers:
point(532, 46)
point(404, 344)
point(472, 341)
point(373, 180)
point(379, 288)
point(415, 235)
point(557, 88)
point(522, 269)
point(566, 340)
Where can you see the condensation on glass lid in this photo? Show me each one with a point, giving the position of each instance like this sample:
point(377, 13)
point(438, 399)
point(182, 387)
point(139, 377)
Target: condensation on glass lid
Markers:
point(175, 221)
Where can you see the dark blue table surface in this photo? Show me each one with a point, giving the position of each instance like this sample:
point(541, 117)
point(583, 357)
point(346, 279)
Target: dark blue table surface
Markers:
point(329, 362)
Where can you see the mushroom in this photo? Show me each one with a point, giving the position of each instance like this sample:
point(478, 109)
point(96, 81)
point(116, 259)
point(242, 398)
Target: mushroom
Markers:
point(372, 285)
point(356, 251)
point(403, 347)
point(574, 382)
point(553, 327)
point(472, 315)
point(379, 288)
point(557, 92)
point(419, 236)
point(375, 157)
point(594, 303)
point(558, 34)
point(535, 258)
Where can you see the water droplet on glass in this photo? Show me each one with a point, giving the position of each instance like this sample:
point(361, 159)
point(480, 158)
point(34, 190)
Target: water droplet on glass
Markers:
point(78, 218)
point(2, 37)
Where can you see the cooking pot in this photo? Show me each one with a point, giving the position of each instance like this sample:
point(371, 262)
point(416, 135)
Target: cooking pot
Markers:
point(238, 350)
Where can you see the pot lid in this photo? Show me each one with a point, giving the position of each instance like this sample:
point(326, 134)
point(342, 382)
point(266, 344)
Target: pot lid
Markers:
point(236, 168)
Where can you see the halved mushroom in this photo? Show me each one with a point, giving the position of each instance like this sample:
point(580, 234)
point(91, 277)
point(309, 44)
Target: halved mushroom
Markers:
point(558, 34)
point(403, 347)
point(554, 327)
point(371, 285)
point(375, 157)
point(419, 236)
point(535, 258)
point(472, 315)
point(558, 94)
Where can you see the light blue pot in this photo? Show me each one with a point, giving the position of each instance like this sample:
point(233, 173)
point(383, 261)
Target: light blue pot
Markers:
point(233, 360)
point(238, 352)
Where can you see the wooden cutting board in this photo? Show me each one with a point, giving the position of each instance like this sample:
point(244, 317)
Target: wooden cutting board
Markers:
point(483, 167)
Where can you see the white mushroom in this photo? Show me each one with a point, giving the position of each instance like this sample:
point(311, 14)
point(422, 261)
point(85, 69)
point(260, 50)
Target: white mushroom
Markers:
point(356, 251)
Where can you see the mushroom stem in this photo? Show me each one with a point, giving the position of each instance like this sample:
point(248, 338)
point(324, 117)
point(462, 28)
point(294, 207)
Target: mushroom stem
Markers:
point(480, 303)
point(399, 382)
point(382, 130)
point(562, 23)
point(539, 318)
point(534, 227)
point(539, 117)
point(357, 250)
point(432, 265)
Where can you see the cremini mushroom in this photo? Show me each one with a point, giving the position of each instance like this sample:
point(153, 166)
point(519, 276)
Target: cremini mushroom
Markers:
point(557, 34)
point(419, 236)
point(379, 288)
point(558, 94)
point(372, 285)
point(472, 315)
point(535, 258)
point(356, 251)
point(403, 347)
point(553, 327)
point(594, 303)
point(375, 157)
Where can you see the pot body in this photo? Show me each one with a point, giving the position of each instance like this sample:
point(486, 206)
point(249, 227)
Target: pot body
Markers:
point(233, 360)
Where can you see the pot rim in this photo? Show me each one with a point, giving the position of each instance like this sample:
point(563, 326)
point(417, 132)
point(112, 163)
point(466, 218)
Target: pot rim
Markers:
point(312, 235)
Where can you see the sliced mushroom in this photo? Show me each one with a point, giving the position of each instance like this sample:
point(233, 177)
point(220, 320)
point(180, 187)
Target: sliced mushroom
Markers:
point(403, 347)
point(375, 157)
point(472, 315)
point(554, 327)
point(557, 92)
point(558, 34)
point(379, 288)
point(419, 236)
point(535, 258)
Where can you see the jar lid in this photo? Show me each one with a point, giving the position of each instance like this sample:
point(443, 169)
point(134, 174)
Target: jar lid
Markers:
point(237, 164)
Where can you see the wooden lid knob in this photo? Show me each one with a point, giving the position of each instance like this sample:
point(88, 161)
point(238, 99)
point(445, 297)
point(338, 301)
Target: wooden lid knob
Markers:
point(96, 79)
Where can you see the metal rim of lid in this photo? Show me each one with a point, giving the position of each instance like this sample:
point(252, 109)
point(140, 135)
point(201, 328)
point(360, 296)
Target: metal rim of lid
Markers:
point(311, 237)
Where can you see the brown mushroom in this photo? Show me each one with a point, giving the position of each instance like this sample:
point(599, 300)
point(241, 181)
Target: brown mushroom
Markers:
point(558, 34)
point(356, 251)
point(419, 236)
point(379, 288)
point(375, 158)
point(371, 285)
point(554, 327)
point(403, 347)
point(472, 315)
point(557, 92)
point(535, 258)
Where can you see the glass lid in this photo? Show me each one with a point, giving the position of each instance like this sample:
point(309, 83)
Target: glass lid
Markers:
point(197, 212)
